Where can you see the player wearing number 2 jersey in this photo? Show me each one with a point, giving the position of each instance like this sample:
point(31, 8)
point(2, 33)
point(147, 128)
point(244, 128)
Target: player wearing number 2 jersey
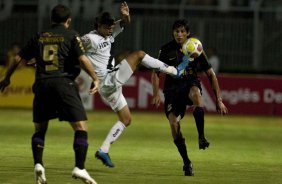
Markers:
point(98, 46)
point(59, 53)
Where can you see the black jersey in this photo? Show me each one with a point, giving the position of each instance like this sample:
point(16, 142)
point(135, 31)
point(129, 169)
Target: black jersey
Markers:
point(56, 51)
point(172, 55)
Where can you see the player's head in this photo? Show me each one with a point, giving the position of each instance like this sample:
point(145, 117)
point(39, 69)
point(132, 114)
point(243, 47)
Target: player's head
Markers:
point(104, 24)
point(61, 15)
point(180, 30)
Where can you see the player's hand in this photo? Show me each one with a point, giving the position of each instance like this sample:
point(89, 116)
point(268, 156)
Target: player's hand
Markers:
point(94, 87)
point(124, 9)
point(221, 108)
point(4, 83)
point(156, 101)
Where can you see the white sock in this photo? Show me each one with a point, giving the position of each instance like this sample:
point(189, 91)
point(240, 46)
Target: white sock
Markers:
point(153, 63)
point(112, 136)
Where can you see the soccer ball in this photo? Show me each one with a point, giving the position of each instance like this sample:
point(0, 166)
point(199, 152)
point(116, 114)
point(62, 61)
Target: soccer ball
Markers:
point(192, 47)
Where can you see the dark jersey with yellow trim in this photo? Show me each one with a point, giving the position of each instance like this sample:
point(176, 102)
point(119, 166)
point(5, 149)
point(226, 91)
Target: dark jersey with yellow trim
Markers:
point(172, 55)
point(56, 51)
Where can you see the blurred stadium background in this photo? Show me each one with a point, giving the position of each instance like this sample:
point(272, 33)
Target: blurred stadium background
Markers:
point(246, 33)
point(245, 149)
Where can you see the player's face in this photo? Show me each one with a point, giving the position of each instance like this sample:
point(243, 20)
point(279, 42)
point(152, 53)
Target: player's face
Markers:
point(105, 30)
point(180, 34)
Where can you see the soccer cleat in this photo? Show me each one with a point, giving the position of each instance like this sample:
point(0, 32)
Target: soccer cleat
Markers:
point(182, 66)
point(39, 173)
point(83, 175)
point(188, 169)
point(104, 157)
point(203, 143)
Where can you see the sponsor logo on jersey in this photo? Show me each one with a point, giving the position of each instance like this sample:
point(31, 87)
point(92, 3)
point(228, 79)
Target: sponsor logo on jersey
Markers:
point(103, 45)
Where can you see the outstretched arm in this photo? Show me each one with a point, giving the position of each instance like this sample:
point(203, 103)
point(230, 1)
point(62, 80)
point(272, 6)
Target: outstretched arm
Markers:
point(124, 10)
point(220, 107)
point(6, 80)
point(155, 79)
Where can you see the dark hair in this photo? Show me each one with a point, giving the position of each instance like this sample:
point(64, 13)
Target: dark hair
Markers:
point(181, 23)
point(60, 14)
point(105, 19)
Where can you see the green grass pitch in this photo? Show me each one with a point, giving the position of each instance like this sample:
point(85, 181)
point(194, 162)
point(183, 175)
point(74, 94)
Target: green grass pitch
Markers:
point(244, 149)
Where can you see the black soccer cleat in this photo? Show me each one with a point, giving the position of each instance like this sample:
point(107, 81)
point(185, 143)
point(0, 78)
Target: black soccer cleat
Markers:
point(203, 143)
point(188, 169)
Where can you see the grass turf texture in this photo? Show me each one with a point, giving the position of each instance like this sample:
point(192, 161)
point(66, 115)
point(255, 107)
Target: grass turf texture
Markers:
point(243, 150)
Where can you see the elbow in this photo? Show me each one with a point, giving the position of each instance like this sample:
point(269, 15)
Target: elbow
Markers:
point(17, 59)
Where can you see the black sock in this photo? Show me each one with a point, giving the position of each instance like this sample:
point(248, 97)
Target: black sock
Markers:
point(37, 144)
point(199, 119)
point(80, 146)
point(181, 146)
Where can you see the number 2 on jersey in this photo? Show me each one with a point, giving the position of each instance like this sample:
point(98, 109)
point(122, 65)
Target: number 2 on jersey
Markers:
point(50, 56)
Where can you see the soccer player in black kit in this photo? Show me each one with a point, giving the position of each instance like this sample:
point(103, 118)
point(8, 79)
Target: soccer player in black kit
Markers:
point(184, 91)
point(59, 53)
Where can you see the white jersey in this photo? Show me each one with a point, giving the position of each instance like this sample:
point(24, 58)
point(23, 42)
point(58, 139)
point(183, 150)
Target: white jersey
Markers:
point(98, 50)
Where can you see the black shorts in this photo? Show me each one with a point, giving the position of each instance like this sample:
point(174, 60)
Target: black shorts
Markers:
point(177, 100)
point(57, 98)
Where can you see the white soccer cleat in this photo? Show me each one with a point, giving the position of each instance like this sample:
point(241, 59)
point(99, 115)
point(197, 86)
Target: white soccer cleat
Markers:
point(39, 173)
point(83, 175)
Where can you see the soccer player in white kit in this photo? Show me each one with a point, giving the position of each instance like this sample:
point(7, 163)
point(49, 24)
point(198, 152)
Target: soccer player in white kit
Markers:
point(98, 46)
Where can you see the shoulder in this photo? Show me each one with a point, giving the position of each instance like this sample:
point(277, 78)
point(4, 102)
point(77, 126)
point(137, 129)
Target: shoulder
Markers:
point(91, 39)
point(92, 36)
point(169, 46)
point(73, 32)
point(202, 58)
point(35, 36)
point(86, 39)
point(168, 49)
point(33, 40)
point(70, 33)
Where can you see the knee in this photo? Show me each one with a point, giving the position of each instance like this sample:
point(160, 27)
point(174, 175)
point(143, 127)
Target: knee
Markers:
point(140, 54)
point(195, 95)
point(174, 123)
point(79, 126)
point(126, 121)
point(196, 98)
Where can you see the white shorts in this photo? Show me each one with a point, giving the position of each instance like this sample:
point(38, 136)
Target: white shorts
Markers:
point(111, 86)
